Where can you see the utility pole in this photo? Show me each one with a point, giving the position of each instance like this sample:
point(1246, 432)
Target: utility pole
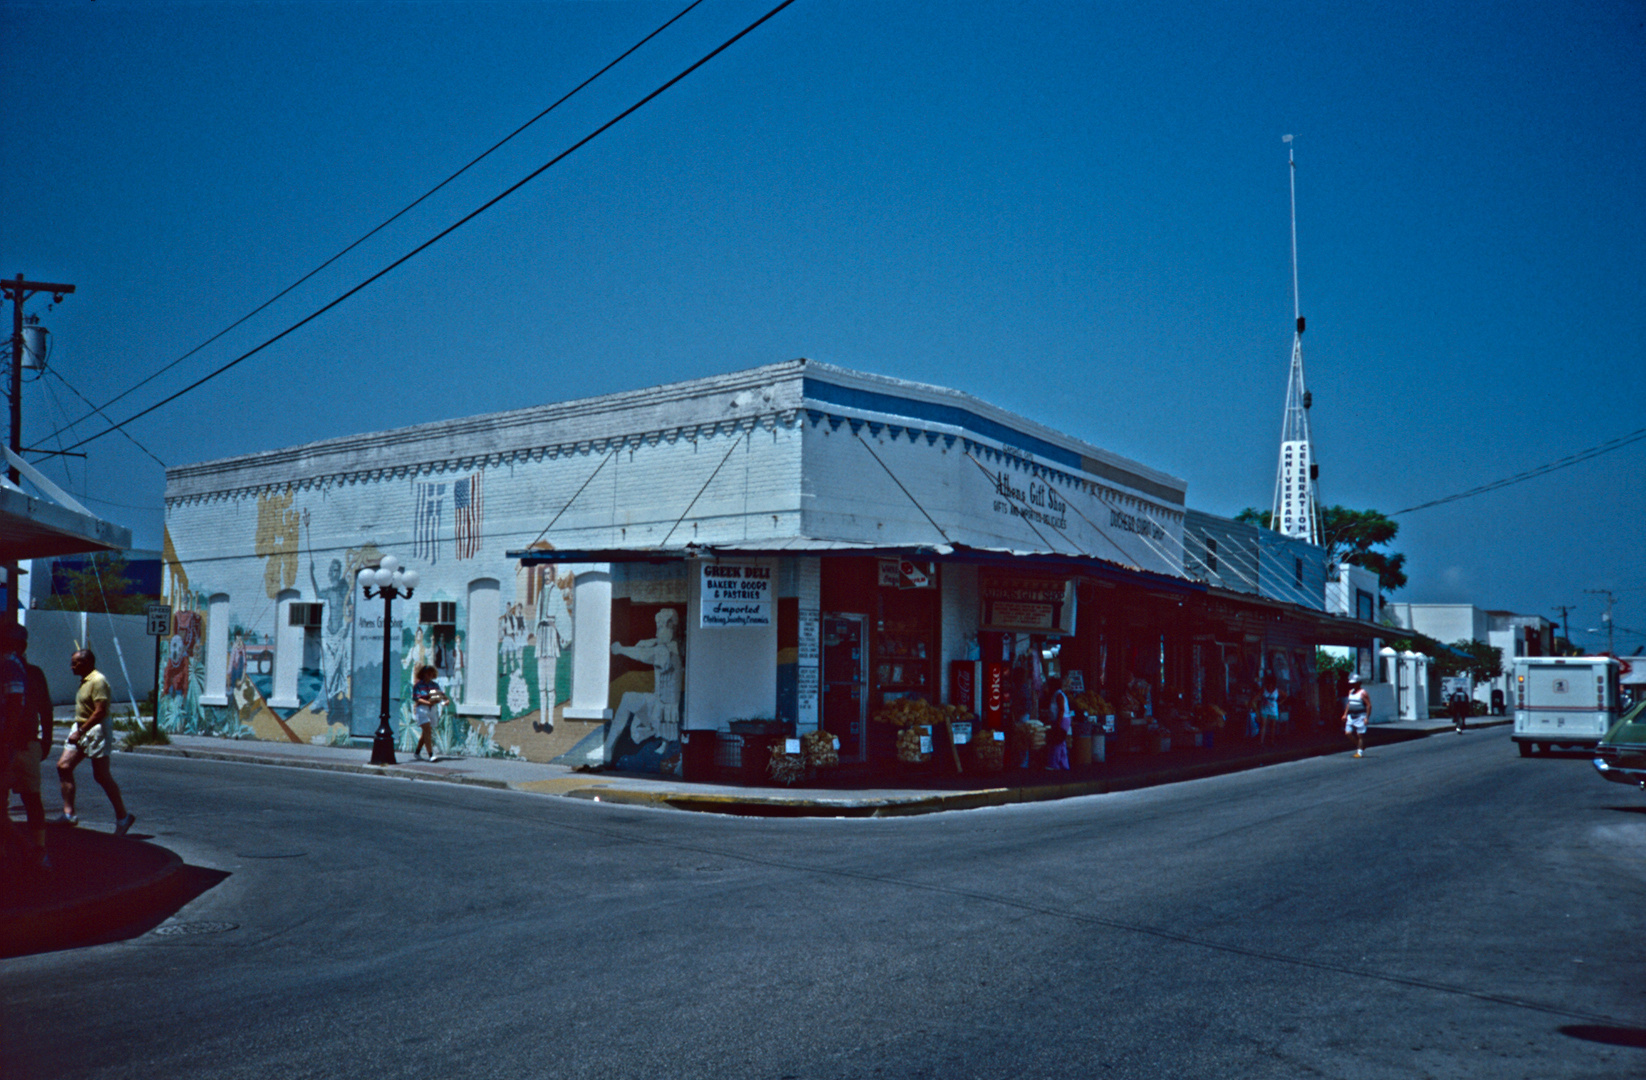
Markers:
point(1610, 600)
point(18, 290)
point(1565, 628)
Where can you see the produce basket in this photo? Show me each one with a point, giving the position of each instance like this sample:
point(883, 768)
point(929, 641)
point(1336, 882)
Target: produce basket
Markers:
point(783, 767)
point(821, 749)
point(987, 753)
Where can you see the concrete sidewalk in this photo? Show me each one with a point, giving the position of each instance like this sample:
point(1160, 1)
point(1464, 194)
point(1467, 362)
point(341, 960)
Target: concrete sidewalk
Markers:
point(915, 792)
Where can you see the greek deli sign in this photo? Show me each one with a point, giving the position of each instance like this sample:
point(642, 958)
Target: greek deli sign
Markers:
point(735, 594)
point(1016, 604)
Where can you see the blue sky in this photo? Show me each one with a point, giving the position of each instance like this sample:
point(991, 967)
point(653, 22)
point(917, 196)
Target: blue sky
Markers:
point(1076, 211)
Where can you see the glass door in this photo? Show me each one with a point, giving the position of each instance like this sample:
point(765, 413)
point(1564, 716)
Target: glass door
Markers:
point(845, 675)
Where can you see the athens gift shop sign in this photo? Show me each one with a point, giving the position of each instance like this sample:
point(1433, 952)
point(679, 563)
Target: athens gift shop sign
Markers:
point(735, 594)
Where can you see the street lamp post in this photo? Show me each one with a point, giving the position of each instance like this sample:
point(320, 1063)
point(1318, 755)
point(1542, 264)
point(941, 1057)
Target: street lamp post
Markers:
point(391, 582)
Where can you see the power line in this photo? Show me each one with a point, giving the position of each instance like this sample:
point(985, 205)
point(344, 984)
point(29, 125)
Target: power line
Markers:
point(1542, 470)
point(528, 178)
point(98, 411)
point(387, 221)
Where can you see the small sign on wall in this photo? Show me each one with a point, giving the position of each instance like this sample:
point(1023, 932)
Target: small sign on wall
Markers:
point(735, 595)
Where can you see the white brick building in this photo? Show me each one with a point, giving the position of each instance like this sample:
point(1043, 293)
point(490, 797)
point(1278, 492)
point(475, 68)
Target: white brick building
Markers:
point(599, 575)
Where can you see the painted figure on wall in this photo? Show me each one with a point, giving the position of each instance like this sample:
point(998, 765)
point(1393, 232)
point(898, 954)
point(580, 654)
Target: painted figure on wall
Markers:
point(548, 660)
point(237, 660)
point(650, 723)
point(334, 642)
point(547, 600)
point(185, 635)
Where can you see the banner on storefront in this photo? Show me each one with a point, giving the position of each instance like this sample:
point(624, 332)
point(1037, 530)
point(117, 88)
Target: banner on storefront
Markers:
point(735, 594)
point(1027, 605)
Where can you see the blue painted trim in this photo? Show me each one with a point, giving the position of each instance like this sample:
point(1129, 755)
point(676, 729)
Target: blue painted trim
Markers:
point(950, 415)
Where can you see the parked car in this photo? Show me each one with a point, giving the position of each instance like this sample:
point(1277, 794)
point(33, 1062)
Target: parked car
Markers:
point(1621, 754)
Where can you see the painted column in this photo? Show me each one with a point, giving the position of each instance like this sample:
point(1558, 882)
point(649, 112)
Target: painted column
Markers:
point(591, 657)
point(288, 653)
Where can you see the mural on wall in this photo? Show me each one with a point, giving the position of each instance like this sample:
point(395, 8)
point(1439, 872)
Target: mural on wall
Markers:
point(185, 638)
point(177, 705)
point(428, 511)
point(550, 597)
point(276, 541)
point(644, 732)
point(533, 645)
point(336, 636)
point(534, 664)
point(182, 680)
point(468, 515)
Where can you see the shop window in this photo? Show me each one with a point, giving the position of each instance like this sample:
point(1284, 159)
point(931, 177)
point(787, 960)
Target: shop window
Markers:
point(217, 651)
point(308, 616)
point(440, 616)
point(480, 657)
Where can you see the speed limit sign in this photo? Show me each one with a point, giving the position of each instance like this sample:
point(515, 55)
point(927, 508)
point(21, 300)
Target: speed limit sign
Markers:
point(159, 616)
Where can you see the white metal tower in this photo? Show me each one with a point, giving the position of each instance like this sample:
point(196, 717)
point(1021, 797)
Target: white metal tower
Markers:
point(1295, 511)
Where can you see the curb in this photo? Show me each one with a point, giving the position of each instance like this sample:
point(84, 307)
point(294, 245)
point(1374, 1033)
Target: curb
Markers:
point(397, 771)
point(781, 806)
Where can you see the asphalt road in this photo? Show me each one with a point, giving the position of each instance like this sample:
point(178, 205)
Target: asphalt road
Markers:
point(1440, 908)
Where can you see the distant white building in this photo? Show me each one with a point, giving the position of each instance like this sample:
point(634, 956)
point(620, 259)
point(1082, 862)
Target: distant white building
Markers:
point(1516, 635)
point(1446, 623)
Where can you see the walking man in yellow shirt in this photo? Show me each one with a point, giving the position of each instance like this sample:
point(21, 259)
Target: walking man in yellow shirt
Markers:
point(90, 737)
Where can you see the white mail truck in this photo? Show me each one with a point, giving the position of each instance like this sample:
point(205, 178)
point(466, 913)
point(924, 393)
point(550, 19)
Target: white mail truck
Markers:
point(1564, 701)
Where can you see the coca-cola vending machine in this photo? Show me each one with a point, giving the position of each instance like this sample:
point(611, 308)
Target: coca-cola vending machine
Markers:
point(996, 693)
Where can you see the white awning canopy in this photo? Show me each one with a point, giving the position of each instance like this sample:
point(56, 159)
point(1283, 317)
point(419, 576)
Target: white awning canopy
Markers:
point(53, 523)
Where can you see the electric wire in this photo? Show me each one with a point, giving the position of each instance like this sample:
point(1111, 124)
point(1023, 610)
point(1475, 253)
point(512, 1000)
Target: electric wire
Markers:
point(98, 411)
point(1098, 529)
point(419, 249)
point(389, 220)
point(903, 489)
point(705, 487)
point(1530, 474)
point(575, 494)
point(68, 476)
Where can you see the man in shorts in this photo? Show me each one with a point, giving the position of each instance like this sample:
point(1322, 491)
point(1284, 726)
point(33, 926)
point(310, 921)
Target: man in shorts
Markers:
point(90, 737)
point(1356, 707)
point(25, 738)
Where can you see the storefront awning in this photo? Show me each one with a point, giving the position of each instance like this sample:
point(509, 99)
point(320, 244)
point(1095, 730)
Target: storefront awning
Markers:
point(1066, 565)
point(33, 527)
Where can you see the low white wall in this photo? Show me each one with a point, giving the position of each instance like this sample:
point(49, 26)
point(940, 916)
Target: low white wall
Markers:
point(52, 637)
point(731, 672)
point(1385, 709)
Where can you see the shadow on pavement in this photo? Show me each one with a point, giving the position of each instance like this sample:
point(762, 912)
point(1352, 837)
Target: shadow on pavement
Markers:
point(101, 888)
point(1603, 1033)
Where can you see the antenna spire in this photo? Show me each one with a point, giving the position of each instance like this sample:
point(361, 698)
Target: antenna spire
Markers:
point(1295, 511)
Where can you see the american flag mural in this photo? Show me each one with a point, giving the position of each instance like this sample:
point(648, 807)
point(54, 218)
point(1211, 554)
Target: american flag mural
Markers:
point(467, 509)
point(429, 507)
